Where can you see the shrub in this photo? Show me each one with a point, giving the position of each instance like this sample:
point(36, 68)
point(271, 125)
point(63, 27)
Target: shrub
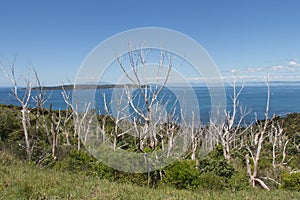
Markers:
point(220, 167)
point(291, 181)
point(211, 181)
point(239, 181)
point(182, 174)
point(77, 161)
point(100, 170)
point(9, 122)
point(216, 163)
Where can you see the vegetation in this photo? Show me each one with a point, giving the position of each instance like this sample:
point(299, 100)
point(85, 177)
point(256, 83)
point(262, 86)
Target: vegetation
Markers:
point(48, 176)
point(45, 153)
point(26, 181)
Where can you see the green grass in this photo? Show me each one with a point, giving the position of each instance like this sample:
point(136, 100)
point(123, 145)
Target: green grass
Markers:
point(23, 181)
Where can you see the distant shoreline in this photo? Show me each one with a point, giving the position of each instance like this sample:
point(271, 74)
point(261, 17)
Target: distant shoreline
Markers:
point(110, 85)
point(83, 87)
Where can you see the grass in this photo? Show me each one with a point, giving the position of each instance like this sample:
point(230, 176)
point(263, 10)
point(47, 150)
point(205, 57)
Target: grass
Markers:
point(23, 181)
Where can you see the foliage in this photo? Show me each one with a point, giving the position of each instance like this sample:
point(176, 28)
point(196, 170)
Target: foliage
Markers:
point(216, 163)
point(211, 181)
point(9, 122)
point(23, 181)
point(78, 161)
point(238, 181)
point(212, 172)
point(291, 181)
point(82, 162)
point(182, 174)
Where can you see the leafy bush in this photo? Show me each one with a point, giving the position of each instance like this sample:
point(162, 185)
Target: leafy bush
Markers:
point(100, 170)
point(238, 181)
point(77, 161)
point(82, 162)
point(216, 163)
point(182, 174)
point(291, 181)
point(219, 167)
point(211, 181)
point(9, 121)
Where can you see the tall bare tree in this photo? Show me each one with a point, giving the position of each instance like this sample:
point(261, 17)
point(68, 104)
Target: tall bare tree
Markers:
point(279, 142)
point(79, 117)
point(23, 100)
point(40, 98)
point(254, 150)
point(148, 93)
point(119, 116)
point(228, 133)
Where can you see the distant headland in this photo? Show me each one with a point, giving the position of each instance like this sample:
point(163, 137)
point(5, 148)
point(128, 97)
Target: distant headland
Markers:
point(85, 86)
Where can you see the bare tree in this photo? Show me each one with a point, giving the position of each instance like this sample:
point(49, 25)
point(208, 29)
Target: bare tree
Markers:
point(280, 141)
point(254, 151)
point(149, 93)
point(79, 117)
point(68, 114)
point(228, 133)
point(55, 127)
point(40, 98)
point(65, 122)
point(119, 116)
point(197, 139)
point(52, 130)
point(23, 100)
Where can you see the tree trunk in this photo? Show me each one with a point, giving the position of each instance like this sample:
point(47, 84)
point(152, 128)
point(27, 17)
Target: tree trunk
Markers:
point(24, 120)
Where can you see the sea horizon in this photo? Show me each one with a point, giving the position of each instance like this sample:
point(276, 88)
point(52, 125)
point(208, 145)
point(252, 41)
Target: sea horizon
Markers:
point(284, 99)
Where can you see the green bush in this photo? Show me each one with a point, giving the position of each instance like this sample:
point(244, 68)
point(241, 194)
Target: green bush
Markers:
point(100, 170)
point(220, 167)
point(291, 181)
point(77, 161)
point(216, 163)
point(239, 181)
point(213, 172)
point(211, 181)
point(82, 162)
point(9, 121)
point(182, 174)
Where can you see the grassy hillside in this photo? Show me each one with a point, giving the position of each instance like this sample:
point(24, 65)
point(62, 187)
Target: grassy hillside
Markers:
point(70, 173)
point(24, 181)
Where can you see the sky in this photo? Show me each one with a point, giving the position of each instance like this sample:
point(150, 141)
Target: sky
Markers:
point(246, 38)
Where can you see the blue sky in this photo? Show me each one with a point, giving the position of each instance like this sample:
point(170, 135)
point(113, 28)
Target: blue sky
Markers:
point(253, 38)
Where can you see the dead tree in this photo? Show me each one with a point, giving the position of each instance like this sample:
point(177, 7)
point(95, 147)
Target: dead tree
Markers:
point(254, 151)
point(279, 142)
point(23, 100)
point(68, 114)
point(148, 93)
point(197, 138)
point(55, 128)
point(118, 116)
point(79, 117)
point(40, 98)
point(228, 133)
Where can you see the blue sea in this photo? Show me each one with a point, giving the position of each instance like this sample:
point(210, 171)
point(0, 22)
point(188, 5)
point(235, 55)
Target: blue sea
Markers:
point(285, 99)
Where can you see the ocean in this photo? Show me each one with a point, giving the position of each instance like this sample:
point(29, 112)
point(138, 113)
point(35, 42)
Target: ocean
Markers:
point(285, 99)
